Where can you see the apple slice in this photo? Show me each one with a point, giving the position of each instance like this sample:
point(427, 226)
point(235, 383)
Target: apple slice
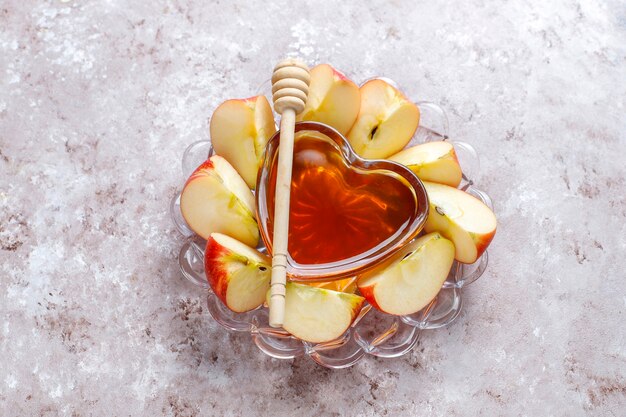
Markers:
point(386, 121)
point(333, 99)
point(240, 129)
point(319, 315)
point(432, 161)
point(462, 218)
point(413, 279)
point(239, 275)
point(216, 199)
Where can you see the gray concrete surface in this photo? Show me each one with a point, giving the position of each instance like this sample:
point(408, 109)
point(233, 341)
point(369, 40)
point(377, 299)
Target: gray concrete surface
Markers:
point(98, 100)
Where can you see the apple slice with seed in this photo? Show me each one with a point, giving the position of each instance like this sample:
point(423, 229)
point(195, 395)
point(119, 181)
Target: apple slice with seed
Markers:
point(239, 275)
point(386, 121)
point(412, 279)
point(462, 218)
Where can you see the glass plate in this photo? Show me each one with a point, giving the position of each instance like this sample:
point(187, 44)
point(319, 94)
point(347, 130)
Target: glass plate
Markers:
point(373, 332)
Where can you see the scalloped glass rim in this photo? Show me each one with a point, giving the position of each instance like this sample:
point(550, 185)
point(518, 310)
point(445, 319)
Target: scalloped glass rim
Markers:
point(373, 332)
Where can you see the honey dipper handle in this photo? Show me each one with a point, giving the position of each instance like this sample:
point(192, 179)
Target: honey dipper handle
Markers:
point(281, 218)
point(290, 83)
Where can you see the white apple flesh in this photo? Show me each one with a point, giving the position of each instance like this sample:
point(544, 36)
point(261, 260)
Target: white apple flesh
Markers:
point(216, 199)
point(238, 275)
point(413, 279)
point(462, 218)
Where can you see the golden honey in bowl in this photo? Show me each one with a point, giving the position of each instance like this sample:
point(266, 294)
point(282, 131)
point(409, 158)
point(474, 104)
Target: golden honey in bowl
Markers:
point(339, 211)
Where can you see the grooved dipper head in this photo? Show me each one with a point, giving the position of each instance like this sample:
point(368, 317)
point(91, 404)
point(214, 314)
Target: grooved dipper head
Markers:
point(290, 85)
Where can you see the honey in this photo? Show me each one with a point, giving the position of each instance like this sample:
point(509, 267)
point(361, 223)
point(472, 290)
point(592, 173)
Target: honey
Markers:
point(338, 210)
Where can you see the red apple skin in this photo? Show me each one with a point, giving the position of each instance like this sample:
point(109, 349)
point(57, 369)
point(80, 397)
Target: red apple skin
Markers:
point(357, 309)
point(368, 294)
point(216, 277)
point(482, 242)
point(340, 75)
point(245, 100)
point(205, 166)
point(453, 155)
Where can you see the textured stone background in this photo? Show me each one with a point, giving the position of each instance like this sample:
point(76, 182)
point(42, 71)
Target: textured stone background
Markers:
point(98, 100)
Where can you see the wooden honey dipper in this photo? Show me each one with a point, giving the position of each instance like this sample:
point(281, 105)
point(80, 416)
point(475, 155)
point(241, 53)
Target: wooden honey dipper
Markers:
point(290, 88)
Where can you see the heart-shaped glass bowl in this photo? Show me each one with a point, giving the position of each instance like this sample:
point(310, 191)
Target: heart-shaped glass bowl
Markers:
point(415, 204)
point(373, 332)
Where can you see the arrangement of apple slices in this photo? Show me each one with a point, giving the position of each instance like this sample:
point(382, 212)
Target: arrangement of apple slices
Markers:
point(379, 121)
